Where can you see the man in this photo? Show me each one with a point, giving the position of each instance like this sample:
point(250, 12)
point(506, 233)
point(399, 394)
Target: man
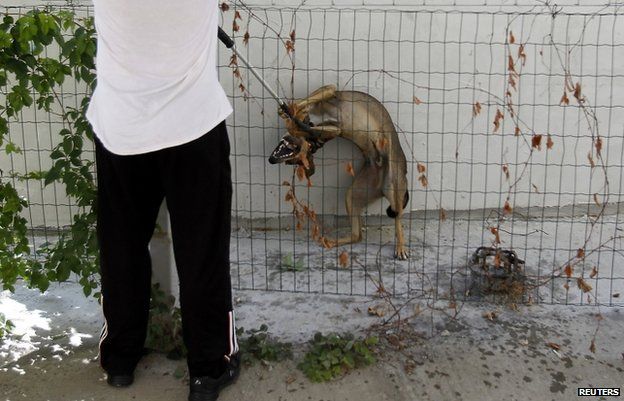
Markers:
point(158, 114)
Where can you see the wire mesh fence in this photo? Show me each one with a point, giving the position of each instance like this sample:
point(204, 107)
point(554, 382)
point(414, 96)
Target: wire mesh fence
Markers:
point(510, 122)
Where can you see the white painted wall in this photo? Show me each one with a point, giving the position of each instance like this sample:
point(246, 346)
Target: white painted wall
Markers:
point(447, 59)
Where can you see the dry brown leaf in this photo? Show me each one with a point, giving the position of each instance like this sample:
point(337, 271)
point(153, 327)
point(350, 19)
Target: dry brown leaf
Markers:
point(290, 46)
point(591, 160)
point(598, 145)
point(512, 39)
point(517, 131)
point(580, 253)
point(377, 310)
point(507, 208)
point(549, 142)
point(224, 7)
point(246, 38)
point(292, 35)
point(304, 160)
point(522, 54)
point(423, 180)
point(395, 341)
point(535, 188)
point(577, 92)
point(511, 66)
point(497, 119)
point(421, 168)
point(596, 201)
point(417, 101)
point(536, 141)
point(568, 270)
point(494, 231)
point(497, 259)
point(349, 168)
point(566, 286)
point(300, 172)
point(582, 285)
point(237, 15)
point(442, 214)
point(343, 259)
point(564, 99)
point(476, 109)
point(299, 225)
point(554, 346)
point(594, 272)
point(316, 231)
point(235, 26)
point(291, 379)
point(592, 347)
point(506, 171)
point(289, 196)
point(491, 316)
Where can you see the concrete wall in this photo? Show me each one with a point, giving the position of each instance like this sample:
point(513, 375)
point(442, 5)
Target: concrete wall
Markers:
point(449, 55)
point(449, 60)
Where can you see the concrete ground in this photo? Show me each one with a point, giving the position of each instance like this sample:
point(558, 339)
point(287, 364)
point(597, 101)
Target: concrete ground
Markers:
point(51, 355)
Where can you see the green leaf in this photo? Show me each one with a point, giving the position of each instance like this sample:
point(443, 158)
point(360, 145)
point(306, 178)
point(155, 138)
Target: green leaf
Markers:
point(52, 175)
point(68, 145)
point(12, 148)
point(5, 40)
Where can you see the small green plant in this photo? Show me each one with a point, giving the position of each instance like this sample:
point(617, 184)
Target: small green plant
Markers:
point(258, 344)
point(164, 331)
point(288, 264)
point(6, 326)
point(334, 355)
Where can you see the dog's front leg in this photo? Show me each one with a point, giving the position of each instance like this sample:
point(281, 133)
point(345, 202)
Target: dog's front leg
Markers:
point(401, 252)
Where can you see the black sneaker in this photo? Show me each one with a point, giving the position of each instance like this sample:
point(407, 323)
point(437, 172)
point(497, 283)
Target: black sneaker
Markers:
point(206, 388)
point(120, 380)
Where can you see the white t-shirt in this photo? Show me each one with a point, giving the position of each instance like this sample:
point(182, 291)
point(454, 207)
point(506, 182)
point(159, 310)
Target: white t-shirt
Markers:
point(157, 82)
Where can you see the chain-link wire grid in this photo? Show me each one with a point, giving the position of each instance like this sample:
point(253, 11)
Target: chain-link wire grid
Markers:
point(469, 182)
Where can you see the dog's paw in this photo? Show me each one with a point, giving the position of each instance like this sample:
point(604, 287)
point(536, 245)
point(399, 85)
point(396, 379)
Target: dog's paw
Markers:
point(329, 243)
point(401, 253)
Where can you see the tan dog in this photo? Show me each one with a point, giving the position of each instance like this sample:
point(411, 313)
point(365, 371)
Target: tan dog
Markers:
point(362, 119)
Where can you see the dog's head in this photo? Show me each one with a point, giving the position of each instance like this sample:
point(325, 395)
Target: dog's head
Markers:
point(293, 150)
point(290, 148)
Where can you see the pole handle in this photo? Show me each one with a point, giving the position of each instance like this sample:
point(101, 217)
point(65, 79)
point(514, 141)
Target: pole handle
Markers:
point(229, 43)
point(225, 38)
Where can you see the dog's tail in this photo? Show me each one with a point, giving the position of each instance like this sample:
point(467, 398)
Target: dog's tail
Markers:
point(392, 213)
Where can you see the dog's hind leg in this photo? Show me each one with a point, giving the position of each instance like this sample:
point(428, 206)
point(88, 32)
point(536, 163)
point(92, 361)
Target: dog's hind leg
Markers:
point(396, 193)
point(365, 189)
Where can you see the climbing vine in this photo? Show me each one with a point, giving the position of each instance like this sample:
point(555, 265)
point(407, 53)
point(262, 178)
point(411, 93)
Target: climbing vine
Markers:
point(39, 51)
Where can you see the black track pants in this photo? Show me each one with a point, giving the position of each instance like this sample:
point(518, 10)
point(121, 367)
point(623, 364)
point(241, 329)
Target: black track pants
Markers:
point(195, 179)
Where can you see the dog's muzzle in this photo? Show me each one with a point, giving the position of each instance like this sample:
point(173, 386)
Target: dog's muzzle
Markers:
point(282, 153)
